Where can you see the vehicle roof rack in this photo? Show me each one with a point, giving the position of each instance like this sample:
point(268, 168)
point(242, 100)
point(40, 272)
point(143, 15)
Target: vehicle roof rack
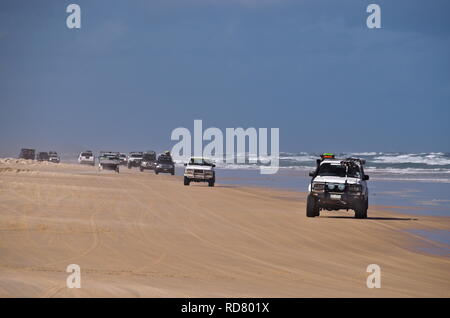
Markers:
point(361, 161)
point(327, 155)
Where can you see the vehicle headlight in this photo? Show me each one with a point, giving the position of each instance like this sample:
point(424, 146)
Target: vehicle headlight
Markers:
point(331, 186)
point(341, 187)
point(318, 186)
point(189, 171)
point(355, 188)
point(208, 172)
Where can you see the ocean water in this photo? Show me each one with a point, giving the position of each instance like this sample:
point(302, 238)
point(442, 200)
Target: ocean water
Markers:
point(426, 166)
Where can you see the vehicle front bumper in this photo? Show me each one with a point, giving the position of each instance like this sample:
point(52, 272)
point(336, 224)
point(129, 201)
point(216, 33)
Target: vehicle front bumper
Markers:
point(338, 200)
point(199, 177)
point(164, 169)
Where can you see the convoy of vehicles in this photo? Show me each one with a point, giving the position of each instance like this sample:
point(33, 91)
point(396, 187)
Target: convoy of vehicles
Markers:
point(30, 154)
point(134, 159)
point(335, 184)
point(86, 157)
point(148, 161)
point(109, 161)
point(338, 184)
point(199, 170)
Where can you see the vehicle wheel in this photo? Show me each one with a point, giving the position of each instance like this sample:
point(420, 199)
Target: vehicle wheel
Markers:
point(211, 183)
point(172, 173)
point(361, 210)
point(140, 168)
point(312, 208)
point(156, 171)
point(129, 166)
point(186, 181)
point(367, 208)
point(117, 169)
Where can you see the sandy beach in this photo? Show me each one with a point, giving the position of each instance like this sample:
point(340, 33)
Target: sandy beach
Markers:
point(139, 234)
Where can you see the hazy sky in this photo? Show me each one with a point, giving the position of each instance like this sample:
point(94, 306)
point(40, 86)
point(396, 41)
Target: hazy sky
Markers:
point(138, 69)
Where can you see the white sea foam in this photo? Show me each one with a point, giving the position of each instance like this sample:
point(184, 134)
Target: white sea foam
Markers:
point(431, 159)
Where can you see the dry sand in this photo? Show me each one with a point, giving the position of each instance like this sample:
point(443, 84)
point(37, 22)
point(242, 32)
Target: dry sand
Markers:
point(138, 234)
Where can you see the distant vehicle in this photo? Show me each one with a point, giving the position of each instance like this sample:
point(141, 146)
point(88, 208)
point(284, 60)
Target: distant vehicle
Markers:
point(338, 184)
point(148, 161)
point(43, 156)
point(134, 159)
point(28, 154)
point(53, 157)
point(123, 159)
point(109, 161)
point(165, 164)
point(86, 157)
point(199, 170)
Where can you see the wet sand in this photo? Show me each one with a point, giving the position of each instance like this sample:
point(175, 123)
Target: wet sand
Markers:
point(137, 234)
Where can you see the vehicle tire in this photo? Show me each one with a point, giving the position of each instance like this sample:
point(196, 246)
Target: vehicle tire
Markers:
point(140, 168)
point(367, 207)
point(312, 208)
point(117, 169)
point(211, 183)
point(156, 171)
point(186, 181)
point(129, 166)
point(361, 210)
point(172, 172)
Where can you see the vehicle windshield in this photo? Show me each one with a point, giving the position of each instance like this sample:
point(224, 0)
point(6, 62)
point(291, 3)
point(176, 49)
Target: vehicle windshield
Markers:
point(164, 159)
point(111, 157)
point(86, 154)
point(332, 170)
point(199, 162)
point(149, 157)
point(136, 155)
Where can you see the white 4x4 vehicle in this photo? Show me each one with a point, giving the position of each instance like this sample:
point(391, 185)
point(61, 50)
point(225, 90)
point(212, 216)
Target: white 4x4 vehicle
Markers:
point(338, 184)
point(199, 170)
point(86, 157)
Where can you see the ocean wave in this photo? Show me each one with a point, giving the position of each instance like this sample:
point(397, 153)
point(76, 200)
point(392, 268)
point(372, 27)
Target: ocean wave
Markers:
point(432, 159)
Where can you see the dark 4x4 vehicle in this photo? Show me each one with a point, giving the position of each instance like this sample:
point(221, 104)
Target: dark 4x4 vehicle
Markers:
point(338, 184)
point(27, 154)
point(165, 164)
point(134, 159)
point(43, 156)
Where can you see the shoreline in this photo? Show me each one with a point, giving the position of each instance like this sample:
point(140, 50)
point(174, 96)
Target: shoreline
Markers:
point(141, 235)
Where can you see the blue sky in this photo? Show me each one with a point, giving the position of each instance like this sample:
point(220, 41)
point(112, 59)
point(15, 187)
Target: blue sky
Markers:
point(138, 69)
